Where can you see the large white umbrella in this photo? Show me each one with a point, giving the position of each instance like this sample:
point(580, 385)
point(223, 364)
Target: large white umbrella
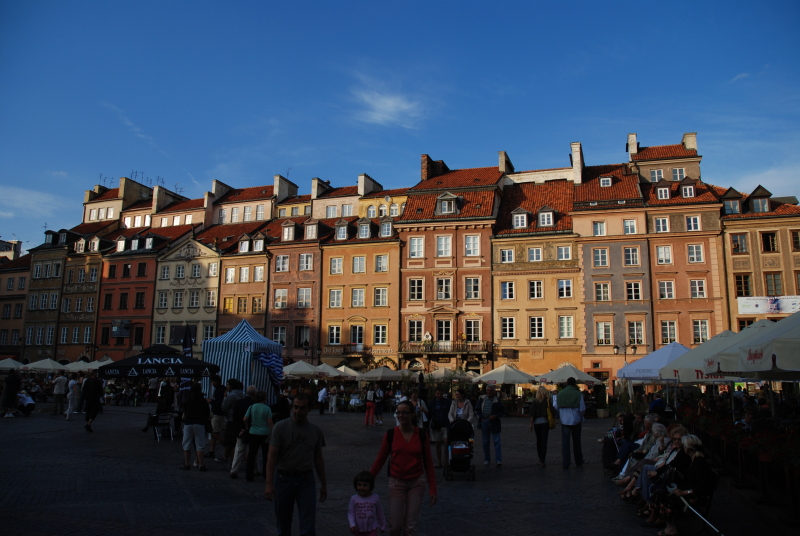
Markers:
point(46, 365)
point(329, 371)
point(504, 375)
point(562, 374)
point(349, 374)
point(775, 348)
point(647, 367)
point(445, 374)
point(380, 374)
point(302, 369)
point(77, 366)
point(688, 368)
point(9, 364)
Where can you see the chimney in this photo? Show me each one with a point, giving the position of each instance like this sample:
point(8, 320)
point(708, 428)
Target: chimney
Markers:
point(689, 141)
point(632, 147)
point(432, 168)
point(318, 187)
point(367, 185)
point(505, 165)
point(577, 162)
point(219, 188)
point(283, 188)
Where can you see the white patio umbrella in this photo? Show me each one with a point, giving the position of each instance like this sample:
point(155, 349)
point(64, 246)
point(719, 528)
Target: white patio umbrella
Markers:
point(689, 368)
point(9, 364)
point(77, 366)
point(772, 351)
point(648, 366)
point(329, 371)
point(562, 374)
point(349, 374)
point(444, 374)
point(301, 369)
point(46, 365)
point(380, 374)
point(504, 375)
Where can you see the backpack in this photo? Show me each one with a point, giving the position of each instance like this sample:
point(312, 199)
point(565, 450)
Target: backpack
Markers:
point(423, 437)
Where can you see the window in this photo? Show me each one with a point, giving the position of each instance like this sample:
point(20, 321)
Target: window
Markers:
point(381, 297)
point(282, 263)
point(535, 289)
point(334, 335)
point(605, 182)
point(128, 222)
point(279, 335)
point(443, 289)
point(227, 305)
point(363, 230)
point(194, 298)
point(244, 274)
point(631, 256)
point(371, 211)
point(415, 289)
point(70, 274)
point(311, 232)
point(536, 327)
point(565, 328)
point(507, 290)
point(731, 206)
point(107, 299)
point(282, 213)
point(29, 336)
point(603, 333)
point(773, 284)
point(234, 216)
point(663, 193)
point(698, 288)
point(259, 212)
point(211, 298)
point(662, 225)
point(379, 334)
point(18, 308)
point(138, 301)
point(357, 297)
point(795, 240)
point(359, 265)
point(565, 288)
point(668, 331)
point(739, 243)
point(15, 337)
point(678, 174)
point(177, 299)
point(472, 331)
point(381, 263)
point(415, 330)
point(545, 219)
point(442, 246)
point(37, 271)
point(382, 211)
point(208, 332)
point(472, 286)
point(769, 242)
point(760, 204)
point(244, 246)
point(472, 246)
point(687, 191)
point(357, 335)
point(519, 221)
point(64, 335)
point(53, 300)
point(330, 212)
point(534, 254)
point(443, 330)
point(123, 300)
point(258, 273)
point(664, 254)
point(666, 290)
point(564, 253)
point(222, 215)
point(602, 291)
point(304, 298)
point(743, 285)
point(700, 330)
point(21, 285)
point(656, 175)
point(335, 298)
point(7, 311)
point(66, 305)
point(257, 305)
point(695, 253)
point(281, 298)
point(507, 330)
point(347, 210)
point(93, 214)
point(386, 229)
point(692, 223)
point(600, 257)
point(212, 269)
point(306, 260)
point(241, 306)
point(165, 222)
point(81, 275)
point(76, 335)
point(636, 332)
point(598, 228)
point(415, 250)
point(39, 335)
point(180, 271)
point(247, 214)
point(633, 290)
point(336, 265)
point(394, 210)
point(506, 255)
point(50, 333)
point(162, 300)
point(230, 275)
point(126, 270)
point(448, 206)
point(288, 233)
point(47, 270)
point(87, 335)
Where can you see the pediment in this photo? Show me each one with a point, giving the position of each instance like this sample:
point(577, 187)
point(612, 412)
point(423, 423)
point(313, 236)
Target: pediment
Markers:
point(444, 309)
point(189, 250)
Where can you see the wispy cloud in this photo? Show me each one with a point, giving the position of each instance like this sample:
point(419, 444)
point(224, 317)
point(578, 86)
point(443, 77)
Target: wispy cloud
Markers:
point(20, 201)
point(382, 106)
point(739, 76)
point(59, 174)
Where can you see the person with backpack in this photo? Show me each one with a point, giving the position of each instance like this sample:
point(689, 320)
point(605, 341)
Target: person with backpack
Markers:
point(408, 449)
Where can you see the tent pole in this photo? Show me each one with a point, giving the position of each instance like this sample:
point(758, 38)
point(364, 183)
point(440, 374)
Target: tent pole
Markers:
point(733, 409)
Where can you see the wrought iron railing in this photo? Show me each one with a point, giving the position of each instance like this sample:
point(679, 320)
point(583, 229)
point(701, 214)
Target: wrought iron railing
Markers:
point(449, 347)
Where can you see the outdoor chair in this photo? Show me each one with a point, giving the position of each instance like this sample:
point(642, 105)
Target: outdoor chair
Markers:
point(163, 424)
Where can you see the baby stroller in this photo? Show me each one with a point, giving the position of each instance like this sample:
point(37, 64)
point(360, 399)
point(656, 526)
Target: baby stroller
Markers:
point(460, 449)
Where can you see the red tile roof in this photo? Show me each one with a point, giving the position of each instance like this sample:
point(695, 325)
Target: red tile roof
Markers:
point(112, 193)
point(461, 178)
point(91, 228)
point(390, 193)
point(238, 195)
point(531, 197)
point(139, 205)
point(344, 191)
point(777, 209)
point(296, 199)
point(352, 233)
point(20, 263)
point(703, 193)
point(622, 186)
point(189, 204)
point(663, 151)
point(230, 231)
point(472, 205)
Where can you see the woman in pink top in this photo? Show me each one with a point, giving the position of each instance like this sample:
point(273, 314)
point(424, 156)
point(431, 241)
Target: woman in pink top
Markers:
point(410, 464)
point(365, 513)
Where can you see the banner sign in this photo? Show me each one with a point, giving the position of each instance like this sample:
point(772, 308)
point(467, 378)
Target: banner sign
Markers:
point(760, 305)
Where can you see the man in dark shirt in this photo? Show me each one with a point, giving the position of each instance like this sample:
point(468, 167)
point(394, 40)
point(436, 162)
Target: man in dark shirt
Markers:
point(13, 383)
point(92, 392)
point(218, 417)
point(236, 425)
point(439, 408)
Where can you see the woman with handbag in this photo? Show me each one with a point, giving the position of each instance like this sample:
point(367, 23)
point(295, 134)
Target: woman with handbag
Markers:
point(542, 420)
point(258, 423)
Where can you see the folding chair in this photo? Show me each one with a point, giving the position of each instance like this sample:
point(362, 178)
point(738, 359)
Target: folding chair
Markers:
point(163, 423)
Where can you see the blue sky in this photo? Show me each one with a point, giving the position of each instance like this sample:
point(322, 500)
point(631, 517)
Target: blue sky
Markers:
point(241, 91)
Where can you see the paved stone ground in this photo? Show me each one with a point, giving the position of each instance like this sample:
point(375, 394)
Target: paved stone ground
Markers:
point(58, 479)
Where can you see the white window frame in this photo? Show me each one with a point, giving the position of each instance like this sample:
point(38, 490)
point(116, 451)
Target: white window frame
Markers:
point(416, 249)
point(629, 227)
point(693, 223)
point(519, 221)
point(281, 298)
point(535, 289)
point(605, 182)
point(602, 291)
point(666, 290)
point(564, 253)
point(656, 175)
point(336, 265)
point(700, 331)
point(697, 288)
point(663, 254)
point(381, 297)
point(304, 298)
point(545, 219)
point(661, 225)
point(472, 245)
point(603, 333)
point(381, 263)
point(564, 288)
point(281, 263)
point(598, 228)
point(335, 298)
point(536, 327)
point(472, 288)
point(507, 290)
point(443, 246)
point(633, 290)
point(534, 254)
point(600, 257)
point(662, 193)
point(380, 334)
point(566, 327)
point(508, 327)
point(507, 255)
point(694, 253)
point(306, 262)
point(357, 297)
point(244, 274)
point(687, 191)
point(258, 273)
point(678, 174)
point(416, 290)
point(630, 255)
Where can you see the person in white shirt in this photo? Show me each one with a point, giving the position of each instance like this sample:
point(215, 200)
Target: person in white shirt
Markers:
point(571, 410)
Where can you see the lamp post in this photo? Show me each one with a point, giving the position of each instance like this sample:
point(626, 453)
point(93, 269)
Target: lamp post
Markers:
point(624, 347)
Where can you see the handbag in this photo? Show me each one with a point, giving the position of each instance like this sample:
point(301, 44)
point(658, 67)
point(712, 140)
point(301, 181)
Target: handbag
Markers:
point(551, 420)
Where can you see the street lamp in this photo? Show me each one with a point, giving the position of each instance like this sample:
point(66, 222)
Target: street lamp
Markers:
point(624, 347)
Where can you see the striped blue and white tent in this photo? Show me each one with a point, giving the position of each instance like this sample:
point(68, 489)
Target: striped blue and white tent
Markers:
point(248, 356)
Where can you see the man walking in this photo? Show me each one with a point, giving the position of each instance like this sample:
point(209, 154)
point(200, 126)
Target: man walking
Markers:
point(379, 396)
point(92, 391)
point(59, 393)
point(490, 410)
point(439, 409)
point(236, 426)
point(295, 451)
point(571, 409)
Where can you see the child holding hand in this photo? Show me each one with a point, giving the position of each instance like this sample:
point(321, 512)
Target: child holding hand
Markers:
point(365, 513)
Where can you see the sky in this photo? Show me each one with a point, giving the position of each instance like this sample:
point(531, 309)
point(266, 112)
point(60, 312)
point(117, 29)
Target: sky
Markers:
point(189, 92)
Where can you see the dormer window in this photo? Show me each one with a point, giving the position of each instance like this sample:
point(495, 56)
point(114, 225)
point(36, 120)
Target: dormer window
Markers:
point(663, 193)
point(448, 207)
point(363, 230)
point(135, 243)
point(386, 229)
point(288, 233)
point(94, 244)
point(258, 245)
point(148, 243)
point(244, 246)
point(687, 191)
point(371, 211)
point(760, 204)
point(519, 221)
point(62, 238)
point(79, 246)
point(605, 182)
point(121, 245)
point(546, 217)
point(341, 232)
point(732, 206)
point(311, 232)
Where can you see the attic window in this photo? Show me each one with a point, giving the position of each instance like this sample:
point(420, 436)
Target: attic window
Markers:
point(592, 203)
point(93, 244)
point(520, 221)
point(621, 202)
point(258, 245)
point(79, 246)
point(288, 233)
point(63, 237)
point(148, 243)
point(546, 219)
point(687, 191)
point(121, 245)
point(244, 246)
point(419, 211)
point(227, 238)
point(605, 182)
point(478, 205)
point(341, 232)
point(363, 230)
point(760, 204)
point(731, 206)
point(386, 229)
point(135, 244)
point(663, 193)
point(311, 232)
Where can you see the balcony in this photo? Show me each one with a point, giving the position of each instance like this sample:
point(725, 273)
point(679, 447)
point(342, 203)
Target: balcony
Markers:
point(355, 349)
point(445, 347)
